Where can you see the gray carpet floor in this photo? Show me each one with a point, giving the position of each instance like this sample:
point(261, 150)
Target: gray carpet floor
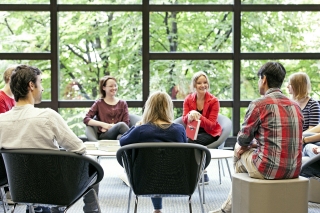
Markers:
point(113, 194)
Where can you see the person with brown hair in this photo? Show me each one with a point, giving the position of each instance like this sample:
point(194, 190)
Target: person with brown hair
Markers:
point(299, 86)
point(269, 144)
point(156, 126)
point(112, 116)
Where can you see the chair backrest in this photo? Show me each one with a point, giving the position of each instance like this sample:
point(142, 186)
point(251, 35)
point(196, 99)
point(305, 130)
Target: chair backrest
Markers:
point(49, 176)
point(311, 168)
point(92, 131)
point(3, 173)
point(163, 168)
point(226, 126)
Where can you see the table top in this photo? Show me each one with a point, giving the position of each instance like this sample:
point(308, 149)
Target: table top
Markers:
point(100, 153)
point(221, 153)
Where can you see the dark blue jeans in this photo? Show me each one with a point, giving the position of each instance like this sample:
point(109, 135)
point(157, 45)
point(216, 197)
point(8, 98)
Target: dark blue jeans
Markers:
point(157, 202)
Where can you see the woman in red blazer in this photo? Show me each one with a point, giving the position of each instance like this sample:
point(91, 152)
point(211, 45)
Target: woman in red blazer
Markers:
point(201, 105)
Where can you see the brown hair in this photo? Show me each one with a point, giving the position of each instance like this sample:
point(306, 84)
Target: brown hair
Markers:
point(102, 83)
point(300, 84)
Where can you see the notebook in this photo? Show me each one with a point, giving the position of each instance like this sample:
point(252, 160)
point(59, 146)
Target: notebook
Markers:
point(192, 129)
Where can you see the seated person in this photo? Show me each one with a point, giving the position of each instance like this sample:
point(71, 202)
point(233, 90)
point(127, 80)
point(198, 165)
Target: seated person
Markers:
point(299, 87)
point(112, 117)
point(36, 128)
point(258, 152)
point(156, 126)
point(202, 105)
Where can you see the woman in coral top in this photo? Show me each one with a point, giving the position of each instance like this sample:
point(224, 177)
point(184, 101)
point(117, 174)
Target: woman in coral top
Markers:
point(203, 106)
point(112, 116)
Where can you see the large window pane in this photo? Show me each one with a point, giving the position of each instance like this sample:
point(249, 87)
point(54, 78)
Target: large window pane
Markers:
point(191, 32)
point(44, 66)
point(25, 32)
point(174, 77)
point(95, 44)
point(191, 2)
point(280, 32)
point(25, 2)
point(99, 1)
point(280, 1)
point(249, 79)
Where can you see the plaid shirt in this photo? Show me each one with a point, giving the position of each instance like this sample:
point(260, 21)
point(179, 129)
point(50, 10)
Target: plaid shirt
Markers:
point(275, 122)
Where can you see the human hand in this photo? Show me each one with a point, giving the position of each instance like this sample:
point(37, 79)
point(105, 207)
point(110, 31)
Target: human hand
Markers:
point(316, 150)
point(138, 123)
point(193, 115)
point(241, 149)
point(105, 127)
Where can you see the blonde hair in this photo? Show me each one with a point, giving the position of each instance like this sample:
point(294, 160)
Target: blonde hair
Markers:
point(196, 76)
point(300, 84)
point(159, 106)
point(7, 74)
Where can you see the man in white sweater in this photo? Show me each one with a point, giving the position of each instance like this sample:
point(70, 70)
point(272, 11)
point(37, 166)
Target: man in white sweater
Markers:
point(26, 126)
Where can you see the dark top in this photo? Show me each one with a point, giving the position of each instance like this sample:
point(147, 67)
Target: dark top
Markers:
point(152, 133)
point(111, 114)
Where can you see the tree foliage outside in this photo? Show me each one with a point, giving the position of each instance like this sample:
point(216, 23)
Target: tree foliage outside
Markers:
point(94, 44)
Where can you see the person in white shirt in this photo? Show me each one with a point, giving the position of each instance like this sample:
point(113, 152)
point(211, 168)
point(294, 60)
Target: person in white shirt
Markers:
point(26, 126)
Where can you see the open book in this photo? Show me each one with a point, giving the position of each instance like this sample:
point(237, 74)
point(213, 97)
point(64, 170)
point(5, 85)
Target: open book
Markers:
point(192, 129)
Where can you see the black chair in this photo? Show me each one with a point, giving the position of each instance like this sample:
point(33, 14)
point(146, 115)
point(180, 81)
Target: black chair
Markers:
point(92, 131)
point(163, 169)
point(50, 177)
point(311, 168)
point(3, 183)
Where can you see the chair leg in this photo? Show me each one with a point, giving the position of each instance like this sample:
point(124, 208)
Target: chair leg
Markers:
point(219, 171)
point(4, 200)
point(222, 167)
point(129, 200)
point(136, 205)
point(14, 207)
point(203, 188)
point(189, 201)
point(228, 169)
point(201, 203)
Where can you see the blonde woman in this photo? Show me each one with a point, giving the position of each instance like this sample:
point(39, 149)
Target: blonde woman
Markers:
point(156, 126)
point(299, 87)
point(202, 105)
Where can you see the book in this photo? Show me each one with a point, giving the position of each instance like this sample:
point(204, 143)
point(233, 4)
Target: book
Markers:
point(192, 129)
point(109, 145)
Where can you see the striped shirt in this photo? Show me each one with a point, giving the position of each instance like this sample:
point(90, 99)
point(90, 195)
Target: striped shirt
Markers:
point(275, 122)
point(311, 114)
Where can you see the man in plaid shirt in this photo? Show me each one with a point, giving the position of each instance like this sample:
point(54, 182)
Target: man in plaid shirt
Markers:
point(270, 140)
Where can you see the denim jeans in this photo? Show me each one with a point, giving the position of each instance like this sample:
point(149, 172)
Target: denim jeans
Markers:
point(91, 204)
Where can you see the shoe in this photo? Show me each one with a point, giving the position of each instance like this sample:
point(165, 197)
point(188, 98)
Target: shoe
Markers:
point(206, 179)
point(39, 209)
point(8, 197)
point(217, 211)
point(157, 211)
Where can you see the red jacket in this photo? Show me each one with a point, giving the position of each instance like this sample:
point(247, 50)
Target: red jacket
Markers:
point(209, 118)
